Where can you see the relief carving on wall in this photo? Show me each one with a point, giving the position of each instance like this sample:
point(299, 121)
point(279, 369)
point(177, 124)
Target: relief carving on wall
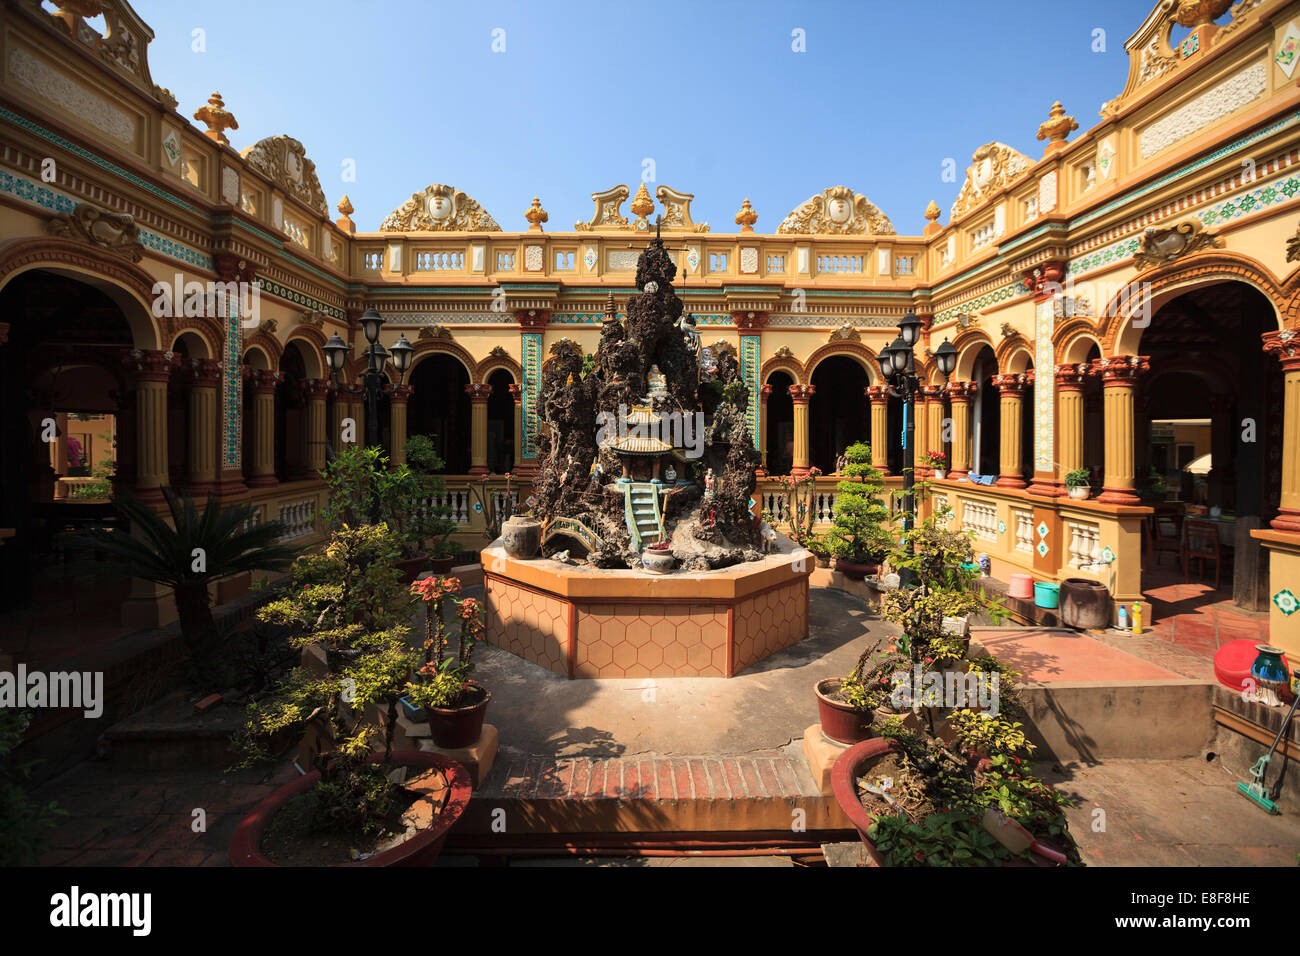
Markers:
point(440, 208)
point(1161, 245)
point(837, 211)
point(115, 232)
point(285, 161)
point(993, 166)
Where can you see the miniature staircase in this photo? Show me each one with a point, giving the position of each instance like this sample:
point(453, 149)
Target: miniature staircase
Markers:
point(641, 508)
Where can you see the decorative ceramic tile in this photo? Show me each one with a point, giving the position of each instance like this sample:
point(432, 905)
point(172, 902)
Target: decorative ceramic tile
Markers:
point(1191, 43)
point(532, 363)
point(1286, 602)
point(1002, 527)
point(749, 372)
point(171, 146)
point(589, 258)
point(1107, 555)
point(693, 257)
point(1042, 549)
point(531, 500)
point(1288, 50)
point(1042, 529)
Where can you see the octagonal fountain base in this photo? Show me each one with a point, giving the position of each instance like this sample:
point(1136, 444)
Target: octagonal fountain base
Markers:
point(581, 621)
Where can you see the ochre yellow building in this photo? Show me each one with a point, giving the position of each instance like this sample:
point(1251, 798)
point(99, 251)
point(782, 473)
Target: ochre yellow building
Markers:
point(1141, 269)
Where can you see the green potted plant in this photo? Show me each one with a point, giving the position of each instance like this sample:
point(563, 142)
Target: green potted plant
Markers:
point(433, 521)
point(348, 611)
point(187, 554)
point(454, 705)
point(1077, 483)
point(858, 538)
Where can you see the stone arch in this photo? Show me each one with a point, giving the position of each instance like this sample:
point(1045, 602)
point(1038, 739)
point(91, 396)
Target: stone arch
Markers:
point(126, 283)
point(209, 330)
point(269, 345)
point(261, 358)
point(782, 363)
point(309, 349)
point(1008, 353)
point(498, 360)
point(197, 336)
point(427, 347)
point(855, 350)
point(1072, 340)
point(968, 344)
point(1116, 329)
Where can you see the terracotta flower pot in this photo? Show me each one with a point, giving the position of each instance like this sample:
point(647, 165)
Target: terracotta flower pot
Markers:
point(844, 776)
point(840, 722)
point(420, 850)
point(456, 727)
point(411, 567)
point(441, 566)
point(855, 572)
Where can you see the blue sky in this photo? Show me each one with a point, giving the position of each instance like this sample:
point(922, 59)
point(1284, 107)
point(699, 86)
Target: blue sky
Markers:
point(585, 92)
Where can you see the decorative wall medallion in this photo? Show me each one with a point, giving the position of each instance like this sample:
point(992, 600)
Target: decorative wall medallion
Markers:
point(230, 185)
point(1106, 158)
point(993, 165)
point(440, 208)
point(1043, 549)
point(1042, 529)
point(171, 146)
point(693, 257)
point(533, 258)
point(1002, 527)
point(1288, 50)
point(1286, 602)
point(748, 259)
point(838, 210)
point(115, 232)
point(589, 258)
point(1158, 246)
point(284, 160)
point(1191, 43)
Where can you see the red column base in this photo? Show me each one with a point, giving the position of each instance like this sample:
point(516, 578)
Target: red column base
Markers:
point(798, 471)
point(229, 487)
point(760, 472)
point(200, 489)
point(958, 473)
point(1288, 519)
point(1118, 496)
point(150, 496)
point(1009, 481)
point(263, 481)
point(477, 470)
point(1045, 489)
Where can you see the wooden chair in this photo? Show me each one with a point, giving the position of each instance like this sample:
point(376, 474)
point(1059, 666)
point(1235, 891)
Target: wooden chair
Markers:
point(1201, 541)
point(1161, 542)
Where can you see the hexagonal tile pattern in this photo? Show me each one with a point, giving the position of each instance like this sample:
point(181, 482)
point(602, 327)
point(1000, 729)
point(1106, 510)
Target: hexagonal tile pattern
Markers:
point(768, 622)
point(532, 625)
point(648, 640)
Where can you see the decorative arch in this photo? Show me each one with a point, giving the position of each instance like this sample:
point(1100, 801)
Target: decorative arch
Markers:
point(968, 343)
point(1069, 336)
point(1008, 348)
point(498, 358)
point(782, 363)
point(196, 333)
point(424, 348)
point(126, 283)
point(272, 361)
point(1115, 328)
point(856, 350)
point(209, 330)
point(318, 367)
point(268, 344)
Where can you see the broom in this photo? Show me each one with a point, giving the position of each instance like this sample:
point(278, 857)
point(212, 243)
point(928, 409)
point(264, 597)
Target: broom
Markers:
point(1254, 791)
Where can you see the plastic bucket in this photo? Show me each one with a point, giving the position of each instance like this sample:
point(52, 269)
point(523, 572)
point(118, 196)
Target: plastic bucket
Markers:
point(1022, 587)
point(1046, 594)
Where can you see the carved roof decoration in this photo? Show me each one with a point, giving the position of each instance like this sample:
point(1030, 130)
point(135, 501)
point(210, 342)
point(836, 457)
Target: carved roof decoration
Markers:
point(285, 161)
point(992, 167)
point(609, 212)
point(1149, 53)
point(115, 232)
point(677, 210)
point(125, 45)
point(837, 211)
point(440, 208)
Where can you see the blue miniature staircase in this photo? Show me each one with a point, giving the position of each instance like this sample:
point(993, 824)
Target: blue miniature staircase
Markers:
point(641, 509)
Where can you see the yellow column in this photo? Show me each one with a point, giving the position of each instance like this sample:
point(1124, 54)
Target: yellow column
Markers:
point(1119, 381)
point(1071, 418)
point(478, 397)
point(933, 420)
point(203, 421)
point(879, 397)
point(960, 394)
point(1011, 390)
point(262, 471)
point(800, 394)
point(398, 397)
point(151, 369)
point(315, 425)
point(1287, 352)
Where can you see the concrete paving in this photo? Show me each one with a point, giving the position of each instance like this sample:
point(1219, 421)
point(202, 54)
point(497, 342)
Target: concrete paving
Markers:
point(766, 707)
point(1171, 813)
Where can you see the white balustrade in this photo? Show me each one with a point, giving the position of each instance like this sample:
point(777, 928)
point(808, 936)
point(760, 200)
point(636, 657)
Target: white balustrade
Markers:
point(374, 261)
point(505, 261)
point(980, 517)
point(1085, 543)
point(839, 264)
point(1024, 525)
point(298, 517)
point(776, 264)
point(440, 261)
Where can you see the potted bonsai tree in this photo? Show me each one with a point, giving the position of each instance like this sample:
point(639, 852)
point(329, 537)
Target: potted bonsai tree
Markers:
point(858, 538)
point(1077, 483)
point(433, 522)
point(348, 611)
point(442, 689)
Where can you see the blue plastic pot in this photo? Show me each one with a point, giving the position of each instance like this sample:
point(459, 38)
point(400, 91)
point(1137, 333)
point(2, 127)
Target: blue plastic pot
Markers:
point(1046, 594)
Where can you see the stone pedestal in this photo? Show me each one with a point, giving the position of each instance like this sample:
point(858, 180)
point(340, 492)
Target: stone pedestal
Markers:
point(821, 755)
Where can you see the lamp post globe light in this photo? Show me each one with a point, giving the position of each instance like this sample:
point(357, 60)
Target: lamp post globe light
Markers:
point(898, 369)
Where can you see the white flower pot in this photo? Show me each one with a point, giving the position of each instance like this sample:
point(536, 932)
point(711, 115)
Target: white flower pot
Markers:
point(1079, 493)
point(939, 472)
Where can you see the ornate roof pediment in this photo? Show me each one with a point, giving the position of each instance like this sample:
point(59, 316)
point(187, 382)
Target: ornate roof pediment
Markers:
point(440, 208)
point(838, 211)
point(677, 210)
point(609, 212)
point(993, 166)
point(285, 161)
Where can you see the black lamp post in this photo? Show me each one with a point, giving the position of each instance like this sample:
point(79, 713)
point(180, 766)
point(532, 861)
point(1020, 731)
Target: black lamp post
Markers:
point(898, 370)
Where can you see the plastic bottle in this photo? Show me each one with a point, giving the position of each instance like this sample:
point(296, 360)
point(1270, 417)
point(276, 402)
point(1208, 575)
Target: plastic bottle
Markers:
point(1137, 618)
point(1123, 618)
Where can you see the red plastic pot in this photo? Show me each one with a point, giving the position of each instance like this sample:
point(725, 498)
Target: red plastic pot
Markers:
point(411, 567)
point(840, 722)
point(420, 850)
point(441, 566)
point(456, 727)
point(855, 572)
point(844, 775)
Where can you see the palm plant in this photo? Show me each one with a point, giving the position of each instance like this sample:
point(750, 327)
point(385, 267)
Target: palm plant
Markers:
point(186, 554)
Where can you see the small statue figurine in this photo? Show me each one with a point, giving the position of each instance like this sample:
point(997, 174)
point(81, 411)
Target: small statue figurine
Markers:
point(670, 475)
point(708, 483)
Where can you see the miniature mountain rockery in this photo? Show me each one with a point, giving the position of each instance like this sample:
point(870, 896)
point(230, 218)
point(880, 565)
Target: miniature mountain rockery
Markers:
point(638, 447)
